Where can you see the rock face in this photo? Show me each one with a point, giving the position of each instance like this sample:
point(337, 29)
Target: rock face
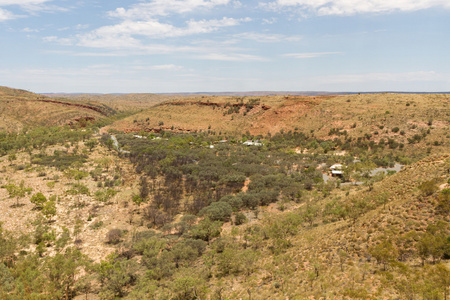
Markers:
point(202, 103)
point(74, 104)
point(81, 121)
point(156, 129)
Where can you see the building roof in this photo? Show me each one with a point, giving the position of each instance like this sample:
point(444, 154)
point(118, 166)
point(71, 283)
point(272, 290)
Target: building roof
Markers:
point(251, 143)
point(336, 167)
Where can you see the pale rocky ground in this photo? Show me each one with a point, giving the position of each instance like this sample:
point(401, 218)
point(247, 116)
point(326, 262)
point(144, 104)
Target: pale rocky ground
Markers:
point(114, 214)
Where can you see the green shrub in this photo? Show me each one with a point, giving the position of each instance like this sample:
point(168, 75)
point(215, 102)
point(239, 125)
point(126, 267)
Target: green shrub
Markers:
point(217, 211)
point(443, 206)
point(78, 188)
point(104, 196)
point(428, 187)
point(137, 199)
point(39, 200)
point(114, 236)
point(97, 225)
point(234, 201)
point(61, 161)
point(239, 219)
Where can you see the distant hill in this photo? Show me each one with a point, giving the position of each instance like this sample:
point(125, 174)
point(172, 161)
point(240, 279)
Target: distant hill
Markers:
point(403, 118)
point(231, 93)
point(121, 102)
point(365, 255)
point(20, 108)
point(205, 215)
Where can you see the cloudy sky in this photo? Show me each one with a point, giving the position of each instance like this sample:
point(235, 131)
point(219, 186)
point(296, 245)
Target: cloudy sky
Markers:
point(113, 46)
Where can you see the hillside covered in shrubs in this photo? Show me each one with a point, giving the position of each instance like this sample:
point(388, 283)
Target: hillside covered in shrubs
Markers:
point(97, 212)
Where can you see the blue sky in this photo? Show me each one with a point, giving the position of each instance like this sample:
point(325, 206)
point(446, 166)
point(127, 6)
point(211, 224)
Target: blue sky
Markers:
point(156, 46)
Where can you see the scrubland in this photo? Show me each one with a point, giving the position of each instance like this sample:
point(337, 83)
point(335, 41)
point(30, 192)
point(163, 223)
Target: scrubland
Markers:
point(182, 209)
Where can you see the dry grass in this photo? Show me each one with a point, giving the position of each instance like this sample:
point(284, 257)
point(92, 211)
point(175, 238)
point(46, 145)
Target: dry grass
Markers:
point(128, 102)
point(358, 114)
point(19, 109)
point(314, 266)
point(111, 215)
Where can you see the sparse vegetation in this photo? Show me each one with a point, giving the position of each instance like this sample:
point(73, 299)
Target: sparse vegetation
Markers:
point(182, 209)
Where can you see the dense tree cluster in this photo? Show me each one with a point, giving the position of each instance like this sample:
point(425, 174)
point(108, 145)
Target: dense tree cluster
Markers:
point(186, 190)
point(39, 138)
point(182, 174)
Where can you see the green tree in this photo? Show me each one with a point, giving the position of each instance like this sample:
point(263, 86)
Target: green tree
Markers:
point(18, 191)
point(8, 245)
point(248, 259)
point(109, 144)
point(39, 200)
point(187, 251)
point(63, 239)
point(144, 188)
point(342, 258)
point(217, 211)
point(362, 170)
point(75, 174)
point(77, 227)
point(6, 281)
point(428, 187)
point(185, 286)
point(310, 213)
point(115, 274)
point(384, 252)
point(240, 219)
point(91, 144)
point(228, 261)
point(356, 208)
point(434, 242)
point(62, 269)
point(206, 229)
point(443, 206)
point(49, 209)
point(440, 276)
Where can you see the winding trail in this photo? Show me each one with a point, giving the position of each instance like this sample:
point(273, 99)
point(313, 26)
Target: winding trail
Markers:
point(116, 145)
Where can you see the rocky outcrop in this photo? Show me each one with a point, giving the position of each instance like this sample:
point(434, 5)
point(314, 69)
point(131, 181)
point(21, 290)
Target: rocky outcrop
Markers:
point(96, 109)
point(81, 121)
point(202, 103)
point(156, 129)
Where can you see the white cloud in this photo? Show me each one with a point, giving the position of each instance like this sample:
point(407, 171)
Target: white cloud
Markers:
point(140, 25)
point(169, 67)
point(6, 15)
point(231, 57)
point(122, 34)
point(266, 37)
point(152, 8)
point(269, 21)
point(309, 54)
point(22, 2)
point(32, 6)
point(352, 7)
point(104, 40)
point(205, 26)
point(61, 41)
point(237, 4)
point(27, 29)
point(78, 27)
point(81, 26)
